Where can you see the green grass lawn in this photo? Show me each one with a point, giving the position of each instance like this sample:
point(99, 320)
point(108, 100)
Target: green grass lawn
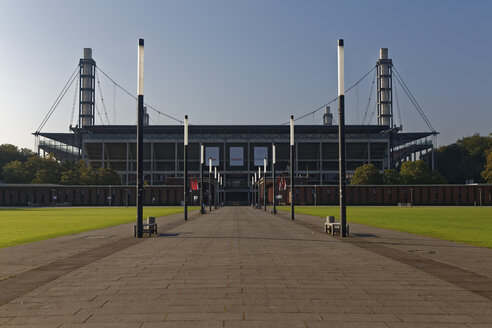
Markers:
point(24, 225)
point(471, 225)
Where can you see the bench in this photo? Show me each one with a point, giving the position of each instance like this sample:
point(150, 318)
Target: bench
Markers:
point(404, 204)
point(149, 227)
point(333, 227)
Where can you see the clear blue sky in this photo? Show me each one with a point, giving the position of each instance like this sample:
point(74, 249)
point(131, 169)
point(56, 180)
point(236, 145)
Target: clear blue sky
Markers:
point(246, 62)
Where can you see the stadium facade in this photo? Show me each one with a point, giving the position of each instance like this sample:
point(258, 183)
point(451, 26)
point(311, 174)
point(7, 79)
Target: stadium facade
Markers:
point(237, 150)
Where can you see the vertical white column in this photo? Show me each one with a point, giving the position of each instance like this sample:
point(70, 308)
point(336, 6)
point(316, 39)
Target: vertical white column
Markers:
point(341, 138)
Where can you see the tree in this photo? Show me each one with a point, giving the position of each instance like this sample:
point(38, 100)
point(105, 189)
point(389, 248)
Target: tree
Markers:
point(80, 174)
point(487, 173)
point(391, 177)
point(107, 176)
point(34, 170)
point(415, 173)
point(15, 172)
point(450, 162)
point(465, 159)
point(47, 176)
point(10, 153)
point(43, 170)
point(70, 177)
point(476, 147)
point(366, 174)
point(438, 178)
point(87, 175)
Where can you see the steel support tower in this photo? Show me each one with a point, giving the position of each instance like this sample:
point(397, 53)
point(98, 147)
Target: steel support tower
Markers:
point(384, 71)
point(87, 93)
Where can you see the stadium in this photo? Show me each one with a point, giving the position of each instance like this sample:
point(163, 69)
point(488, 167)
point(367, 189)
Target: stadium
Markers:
point(238, 151)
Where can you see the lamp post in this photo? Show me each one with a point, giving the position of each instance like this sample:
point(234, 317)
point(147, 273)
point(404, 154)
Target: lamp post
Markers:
point(218, 189)
point(259, 180)
point(341, 137)
point(222, 191)
point(210, 184)
point(185, 173)
point(215, 182)
point(264, 183)
point(202, 160)
point(140, 118)
point(292, 167)
point(273, 178)
point(254, 191)
point(315, 204)
point(252, 188)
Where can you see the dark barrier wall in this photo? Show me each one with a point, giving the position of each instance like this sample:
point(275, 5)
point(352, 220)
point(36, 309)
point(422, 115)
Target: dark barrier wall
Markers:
point(55, 195)
point(480, 194)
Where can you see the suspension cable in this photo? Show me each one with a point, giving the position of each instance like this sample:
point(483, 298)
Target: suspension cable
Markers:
point(405, 88)
point(99, 113)
point(102, 99)
point(370, 97)
point(357, 103)
point(58, 99)
point(398, 105)
point(374, 108)
point(74, 101)
point(134, 97)
point(114, 104)
point(334, 99)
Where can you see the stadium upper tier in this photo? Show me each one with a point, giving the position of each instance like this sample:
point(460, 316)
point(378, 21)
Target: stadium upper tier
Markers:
point(239, 149)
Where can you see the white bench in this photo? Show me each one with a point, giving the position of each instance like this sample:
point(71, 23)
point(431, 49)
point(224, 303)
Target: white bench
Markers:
point(149, 227)
point(404, 204)
point(333, 227)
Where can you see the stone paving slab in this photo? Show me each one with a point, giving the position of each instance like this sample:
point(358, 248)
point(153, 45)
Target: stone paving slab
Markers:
point(26, 257)
point(444, 260)
point(467, 257)
point(240, 267)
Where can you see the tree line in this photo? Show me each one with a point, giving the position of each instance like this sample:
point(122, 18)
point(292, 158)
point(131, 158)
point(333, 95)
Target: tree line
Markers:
point(468, 159)
point(24, 166)
point(416, 172)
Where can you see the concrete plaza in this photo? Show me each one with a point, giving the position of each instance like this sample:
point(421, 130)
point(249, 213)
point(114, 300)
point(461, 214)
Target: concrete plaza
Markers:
point(241, 267)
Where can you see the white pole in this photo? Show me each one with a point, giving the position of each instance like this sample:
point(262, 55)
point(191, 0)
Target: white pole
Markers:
point(186, 130)
point(341, 70)
point(341, 139)
point(140, 116)
point(292, 130)
point(292, 160)
point(264, 182)
point(140, 73)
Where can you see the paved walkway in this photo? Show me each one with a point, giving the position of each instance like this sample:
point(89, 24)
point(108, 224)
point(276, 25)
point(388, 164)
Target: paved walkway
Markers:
point(240, 267)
